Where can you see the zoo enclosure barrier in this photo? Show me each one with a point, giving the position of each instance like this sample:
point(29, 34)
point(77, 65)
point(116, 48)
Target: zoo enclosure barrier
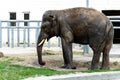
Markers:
point(114, 16)
point(7, 31)
point(19, 34)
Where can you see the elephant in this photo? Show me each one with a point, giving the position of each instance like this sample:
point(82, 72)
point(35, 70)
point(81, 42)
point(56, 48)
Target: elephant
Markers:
point(80, 25)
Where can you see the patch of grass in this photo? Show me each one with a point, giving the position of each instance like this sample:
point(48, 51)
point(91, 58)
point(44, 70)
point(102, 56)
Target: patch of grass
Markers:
point(9, 71)
point(23, 42)
point(49, 52)
point(77, 53)
point(12, 59)
point(99, 70)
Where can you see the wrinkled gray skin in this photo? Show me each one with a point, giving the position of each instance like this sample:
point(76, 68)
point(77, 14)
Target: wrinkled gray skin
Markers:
point(78, 25)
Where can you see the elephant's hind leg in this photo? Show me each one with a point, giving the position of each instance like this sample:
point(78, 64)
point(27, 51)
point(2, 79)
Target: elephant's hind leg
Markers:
point(95, 60)
point(105, 59)
point(106, 50)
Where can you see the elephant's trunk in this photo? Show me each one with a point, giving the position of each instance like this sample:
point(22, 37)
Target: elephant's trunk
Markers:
point(39, 51)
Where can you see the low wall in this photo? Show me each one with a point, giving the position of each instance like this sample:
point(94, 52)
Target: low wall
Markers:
point(82, 76)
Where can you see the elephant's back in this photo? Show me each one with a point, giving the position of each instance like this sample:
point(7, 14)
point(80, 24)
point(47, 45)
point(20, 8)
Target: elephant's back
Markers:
point(78, 11)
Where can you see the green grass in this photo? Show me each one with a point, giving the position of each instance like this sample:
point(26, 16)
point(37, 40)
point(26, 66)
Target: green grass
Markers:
point(99, 70)
point(9, 71)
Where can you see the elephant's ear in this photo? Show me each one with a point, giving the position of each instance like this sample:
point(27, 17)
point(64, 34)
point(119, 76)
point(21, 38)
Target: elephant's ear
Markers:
point(53, 20)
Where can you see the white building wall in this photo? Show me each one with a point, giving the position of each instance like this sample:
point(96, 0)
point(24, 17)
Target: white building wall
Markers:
point(38, 7)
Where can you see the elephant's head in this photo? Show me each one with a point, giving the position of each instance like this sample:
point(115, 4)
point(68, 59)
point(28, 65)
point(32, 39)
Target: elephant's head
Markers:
point(49, 28)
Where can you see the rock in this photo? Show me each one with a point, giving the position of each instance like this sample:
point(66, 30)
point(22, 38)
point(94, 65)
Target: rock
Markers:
point(1, 54)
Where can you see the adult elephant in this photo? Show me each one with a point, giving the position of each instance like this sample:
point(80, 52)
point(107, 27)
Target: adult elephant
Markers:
point(78, 25)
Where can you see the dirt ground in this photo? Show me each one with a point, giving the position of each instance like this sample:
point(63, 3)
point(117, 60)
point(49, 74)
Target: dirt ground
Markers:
point(53, 60)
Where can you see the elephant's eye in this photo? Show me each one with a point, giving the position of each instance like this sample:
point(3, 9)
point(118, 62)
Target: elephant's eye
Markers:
point(44, 28)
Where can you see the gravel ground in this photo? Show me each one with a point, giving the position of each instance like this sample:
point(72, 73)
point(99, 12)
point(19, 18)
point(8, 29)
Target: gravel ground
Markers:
point(20, 50)
point(114, 56)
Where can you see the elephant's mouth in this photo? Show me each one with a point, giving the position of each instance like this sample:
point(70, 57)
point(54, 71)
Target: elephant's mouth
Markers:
point(41, 42)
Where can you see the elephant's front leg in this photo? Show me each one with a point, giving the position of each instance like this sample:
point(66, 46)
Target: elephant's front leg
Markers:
point(67, 54)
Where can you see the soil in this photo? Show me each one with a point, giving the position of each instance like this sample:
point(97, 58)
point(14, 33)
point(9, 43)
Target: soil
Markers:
point(82, 62)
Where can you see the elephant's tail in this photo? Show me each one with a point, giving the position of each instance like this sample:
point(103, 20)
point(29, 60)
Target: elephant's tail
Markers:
point(109, 30)
point(109, 27)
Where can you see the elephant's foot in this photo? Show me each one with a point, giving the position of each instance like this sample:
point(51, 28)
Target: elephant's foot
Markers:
point(68, 67)
point(42, 63)
point(105, 67)
point(63, 66)
point(94, 67)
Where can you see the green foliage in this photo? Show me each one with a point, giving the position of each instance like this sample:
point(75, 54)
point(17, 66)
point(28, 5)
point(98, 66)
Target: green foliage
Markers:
point(116, 63)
